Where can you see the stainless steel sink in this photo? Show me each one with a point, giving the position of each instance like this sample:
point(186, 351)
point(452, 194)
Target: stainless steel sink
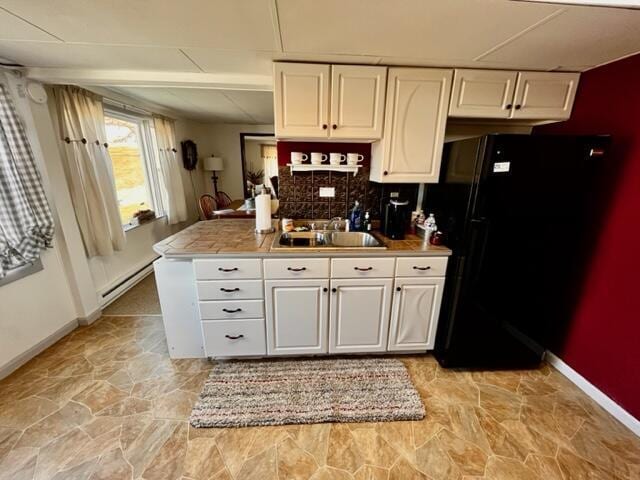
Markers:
point(302, 239)
point(353, 240)
point(326, 239)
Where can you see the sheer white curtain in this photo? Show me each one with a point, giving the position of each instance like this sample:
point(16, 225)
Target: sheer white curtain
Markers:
point(89, 170)
point(174, 199)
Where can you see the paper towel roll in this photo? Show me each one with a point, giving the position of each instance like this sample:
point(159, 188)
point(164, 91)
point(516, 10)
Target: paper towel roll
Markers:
point(263, 213)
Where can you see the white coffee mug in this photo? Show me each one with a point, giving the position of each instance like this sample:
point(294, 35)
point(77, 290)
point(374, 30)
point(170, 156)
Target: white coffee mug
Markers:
point(317, 158)
point(298, 157)
point(354, 158)
point(337, 158)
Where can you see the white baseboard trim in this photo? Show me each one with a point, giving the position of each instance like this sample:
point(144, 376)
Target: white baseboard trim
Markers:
point(123, 288)
point(89, 319)
point(24, 357)
point(596, 394)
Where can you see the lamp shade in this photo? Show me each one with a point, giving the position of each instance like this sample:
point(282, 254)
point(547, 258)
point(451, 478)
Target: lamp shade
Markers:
point(213, 164)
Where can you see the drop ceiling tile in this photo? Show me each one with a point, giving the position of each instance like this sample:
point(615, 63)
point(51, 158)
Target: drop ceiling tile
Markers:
point(442, 30)
point(13, 28)
point(258, 105)
point(579, 36)
point(223, 24)
point(44, 54)
point(195, 103)
point(231, 61)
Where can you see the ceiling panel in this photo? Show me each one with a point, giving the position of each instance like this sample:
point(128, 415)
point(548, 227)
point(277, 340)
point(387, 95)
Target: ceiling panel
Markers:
point(13, 28)
point(579, 36)
point(452, 29)
point(207, 105)
point(231, 61)
point(42, 54)
point(224, 24)
point(259, 105)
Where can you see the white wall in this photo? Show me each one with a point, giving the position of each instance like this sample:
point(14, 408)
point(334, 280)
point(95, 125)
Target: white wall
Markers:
point(223, 140)
point(35, 307)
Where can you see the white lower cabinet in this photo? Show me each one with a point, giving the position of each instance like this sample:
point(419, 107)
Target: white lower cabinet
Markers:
point(414, 316)
point(359, 319)
point(297, 316)
point(234, 338)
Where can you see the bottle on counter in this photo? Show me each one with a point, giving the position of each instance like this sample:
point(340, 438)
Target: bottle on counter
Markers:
point(430, 227)
point(366, 223)
point(356, 217)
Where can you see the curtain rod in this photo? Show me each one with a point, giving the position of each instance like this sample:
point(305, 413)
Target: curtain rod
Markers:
point(133, 108)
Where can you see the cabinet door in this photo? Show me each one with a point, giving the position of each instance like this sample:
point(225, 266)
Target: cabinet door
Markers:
point(545, 95)
point(301, 99)
point(359, 320)
point(296, 316)
point(414, 318)
point(357, 101)
point(415, 118)
point(482, 93)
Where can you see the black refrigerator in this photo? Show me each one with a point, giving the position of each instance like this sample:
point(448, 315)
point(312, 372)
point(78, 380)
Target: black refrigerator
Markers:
point(521, 214)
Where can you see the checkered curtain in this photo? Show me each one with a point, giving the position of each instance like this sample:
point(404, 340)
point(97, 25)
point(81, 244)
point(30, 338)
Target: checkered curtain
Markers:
point(26, 223)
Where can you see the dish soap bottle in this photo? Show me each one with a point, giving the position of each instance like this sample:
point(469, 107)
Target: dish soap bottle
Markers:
point(355, 217)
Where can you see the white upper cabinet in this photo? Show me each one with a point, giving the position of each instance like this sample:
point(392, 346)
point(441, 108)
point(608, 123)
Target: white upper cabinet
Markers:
point(482, 93)
point(324, 101)
point(301, 100)
point(513, 95)
point(357, 101)
point(415, 118)
point(545, 95)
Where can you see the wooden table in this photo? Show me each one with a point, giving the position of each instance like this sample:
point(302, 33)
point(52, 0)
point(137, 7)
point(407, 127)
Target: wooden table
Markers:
point(235, 204)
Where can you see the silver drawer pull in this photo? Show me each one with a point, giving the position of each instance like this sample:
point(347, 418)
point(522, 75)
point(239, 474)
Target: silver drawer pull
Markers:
point(231, 311)
point(234, 337)
point(421, 268)
point(300, 269)
point(229, 290)
point(363, 269)
point(234, 269)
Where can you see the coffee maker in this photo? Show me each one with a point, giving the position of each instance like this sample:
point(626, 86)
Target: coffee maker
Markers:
point(395, 218)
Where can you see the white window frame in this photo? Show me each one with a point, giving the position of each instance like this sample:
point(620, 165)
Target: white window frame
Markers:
point(151, 166)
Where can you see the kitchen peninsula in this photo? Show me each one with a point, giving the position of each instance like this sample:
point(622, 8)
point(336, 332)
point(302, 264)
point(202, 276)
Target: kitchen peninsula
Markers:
point(226, 291)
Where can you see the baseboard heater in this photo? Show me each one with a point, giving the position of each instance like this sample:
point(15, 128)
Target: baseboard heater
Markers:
point(116, 287)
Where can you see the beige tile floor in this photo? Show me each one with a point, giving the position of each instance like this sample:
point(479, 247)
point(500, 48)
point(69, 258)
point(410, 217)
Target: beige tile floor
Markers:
point(106, 402)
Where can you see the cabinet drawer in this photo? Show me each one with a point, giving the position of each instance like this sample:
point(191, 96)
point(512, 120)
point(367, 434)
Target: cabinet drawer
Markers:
point(230, 289)
point(421, 267)
point(227, 268)
point(296, 268)
point(229, 309)
point(362, 267)
point(234, 338)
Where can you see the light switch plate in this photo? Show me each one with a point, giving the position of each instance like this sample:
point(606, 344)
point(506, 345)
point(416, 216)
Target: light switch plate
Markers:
point(327, 192)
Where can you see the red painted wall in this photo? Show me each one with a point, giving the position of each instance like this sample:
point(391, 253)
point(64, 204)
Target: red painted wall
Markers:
point(603, 342)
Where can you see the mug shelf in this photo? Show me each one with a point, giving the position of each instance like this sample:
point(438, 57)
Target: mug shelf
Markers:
point(308, 167)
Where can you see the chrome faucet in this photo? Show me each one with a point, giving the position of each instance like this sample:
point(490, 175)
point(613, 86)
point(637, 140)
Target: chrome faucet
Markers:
point(336, 221)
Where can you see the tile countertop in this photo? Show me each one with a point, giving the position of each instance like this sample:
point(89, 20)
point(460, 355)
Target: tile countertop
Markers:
point(236, 237)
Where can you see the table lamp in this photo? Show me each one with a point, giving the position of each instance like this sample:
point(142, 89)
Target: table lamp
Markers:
point(216, 164)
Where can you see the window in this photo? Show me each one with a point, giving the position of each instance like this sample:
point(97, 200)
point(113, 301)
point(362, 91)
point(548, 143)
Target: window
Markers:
point(135, 166)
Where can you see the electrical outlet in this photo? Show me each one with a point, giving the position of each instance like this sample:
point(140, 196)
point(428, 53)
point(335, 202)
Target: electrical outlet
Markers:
point(327, 192)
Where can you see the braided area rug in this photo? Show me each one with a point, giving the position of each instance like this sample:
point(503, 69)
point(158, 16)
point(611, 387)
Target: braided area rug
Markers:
point(280, 392)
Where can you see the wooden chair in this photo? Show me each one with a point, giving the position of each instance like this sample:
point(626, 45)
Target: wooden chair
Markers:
point(207, 204)
point(222, 199)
